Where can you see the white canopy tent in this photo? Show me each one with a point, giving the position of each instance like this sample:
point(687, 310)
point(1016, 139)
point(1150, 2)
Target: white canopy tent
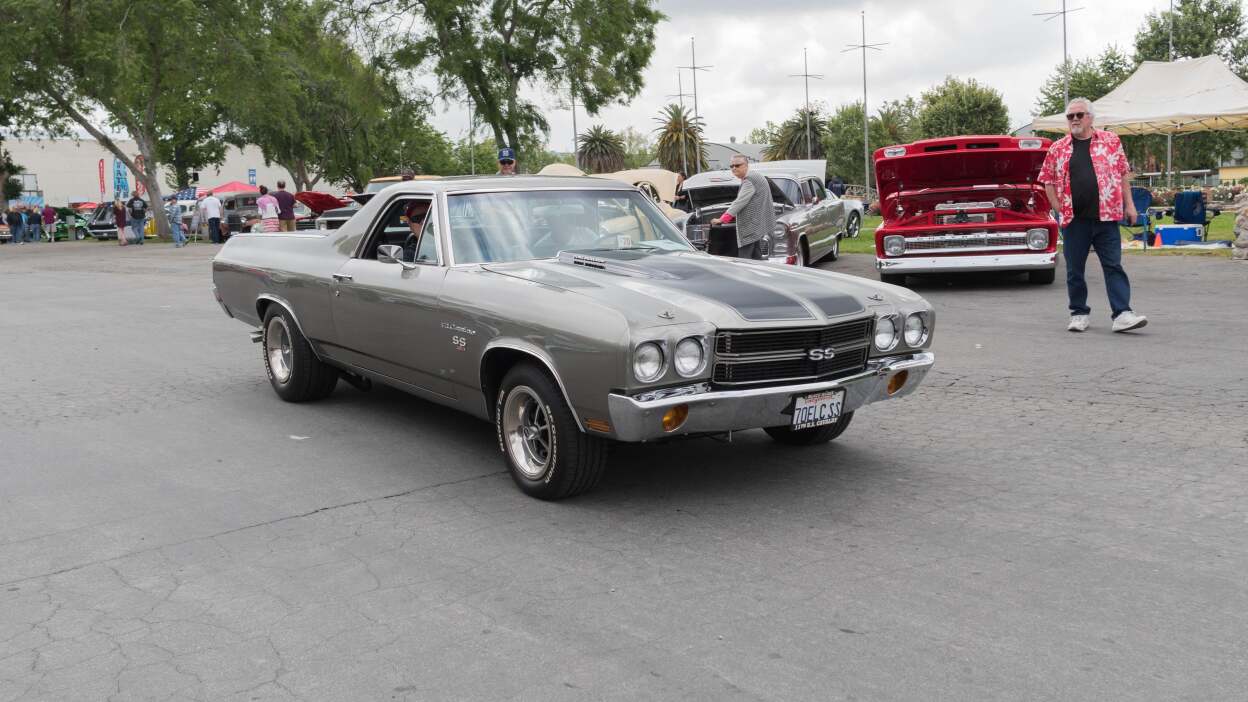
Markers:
point(1169, 97)
point(1175, 97)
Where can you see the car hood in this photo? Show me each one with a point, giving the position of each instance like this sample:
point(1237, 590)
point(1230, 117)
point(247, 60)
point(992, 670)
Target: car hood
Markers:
point(961, 162)
point(654, 288)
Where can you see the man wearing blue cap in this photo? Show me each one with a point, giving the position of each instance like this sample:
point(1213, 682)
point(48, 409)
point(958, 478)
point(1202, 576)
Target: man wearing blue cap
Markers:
point(506, 161)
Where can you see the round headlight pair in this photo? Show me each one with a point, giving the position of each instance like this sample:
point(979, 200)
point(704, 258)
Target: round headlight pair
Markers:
point(649, 360)
point(1037, 238)
point(894, 245)
point(885, 333)
point(916, 330)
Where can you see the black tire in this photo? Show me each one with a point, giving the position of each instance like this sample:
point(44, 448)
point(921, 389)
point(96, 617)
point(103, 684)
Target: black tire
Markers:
point(295, 373)
point(1045, 277)
point(835, 253)
point(569, 462)
point(893, 278)
point(80, 234)
point(811, 436)
point(853, 225)
point(803, 254)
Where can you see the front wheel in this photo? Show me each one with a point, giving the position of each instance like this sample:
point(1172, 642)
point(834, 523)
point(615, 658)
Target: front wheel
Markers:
point(835, 253)
point(294, 371)
point(547, 454)
point(80, 234)
point(809, 437)
point(854, 226)
point(893, 278)
point(1044, 277)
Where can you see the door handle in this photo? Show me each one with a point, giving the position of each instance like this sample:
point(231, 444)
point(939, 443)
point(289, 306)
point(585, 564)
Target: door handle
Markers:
point(342, 278)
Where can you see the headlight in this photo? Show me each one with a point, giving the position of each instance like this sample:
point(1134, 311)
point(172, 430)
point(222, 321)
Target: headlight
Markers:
point(780, 239)
point(648, 362)
point(885, 333)
point(916, 330)
point(894, 245)
point(690, 357)
point(1037, 238)
point(322, 224)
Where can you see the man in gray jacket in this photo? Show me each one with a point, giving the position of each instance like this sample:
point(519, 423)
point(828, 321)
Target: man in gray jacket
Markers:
point(752, 210)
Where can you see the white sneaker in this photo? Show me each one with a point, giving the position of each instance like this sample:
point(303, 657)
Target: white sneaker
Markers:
point(1078, 323)
point(1129, 320)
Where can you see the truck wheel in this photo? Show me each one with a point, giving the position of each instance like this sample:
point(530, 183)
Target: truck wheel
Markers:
point(853, 227)
point(893, 278)
point(295, 373)
point(1045, 277)
point(546, 453)
point(809, 437)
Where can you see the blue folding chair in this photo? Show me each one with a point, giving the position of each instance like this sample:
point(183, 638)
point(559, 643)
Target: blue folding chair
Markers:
point(1143, 199)
point(1189, 208)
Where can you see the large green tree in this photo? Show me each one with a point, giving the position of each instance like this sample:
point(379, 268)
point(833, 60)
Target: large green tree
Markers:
point(680, 146)
point(894, 123)
point(798, 137)
point(1089, 77)
point(144, 65)
point(957, 107)
point(492, 50)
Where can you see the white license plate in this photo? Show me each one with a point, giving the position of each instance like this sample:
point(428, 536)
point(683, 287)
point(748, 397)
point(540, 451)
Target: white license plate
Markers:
point(817, 409)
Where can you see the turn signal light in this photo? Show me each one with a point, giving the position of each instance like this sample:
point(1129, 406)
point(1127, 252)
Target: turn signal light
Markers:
point(791, 260)
point(674, 417)
point(897, 382)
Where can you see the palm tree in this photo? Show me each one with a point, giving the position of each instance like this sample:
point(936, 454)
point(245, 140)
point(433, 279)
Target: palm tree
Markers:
point(600, 150)
point(791, 137)
point(680, 145)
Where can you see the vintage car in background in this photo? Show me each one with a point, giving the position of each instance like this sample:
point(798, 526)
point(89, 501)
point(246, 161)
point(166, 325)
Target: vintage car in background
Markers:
point(964, 204)
point(810, 220)
point(100, 223)
point(335, 218)
point(570, 313)
point(658, 184)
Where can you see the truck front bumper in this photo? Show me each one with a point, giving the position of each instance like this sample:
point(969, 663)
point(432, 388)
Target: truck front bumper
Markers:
point(966, 264)
point(720, 411)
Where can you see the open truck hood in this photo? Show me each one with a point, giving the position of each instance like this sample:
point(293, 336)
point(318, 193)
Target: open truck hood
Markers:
point(957, 162)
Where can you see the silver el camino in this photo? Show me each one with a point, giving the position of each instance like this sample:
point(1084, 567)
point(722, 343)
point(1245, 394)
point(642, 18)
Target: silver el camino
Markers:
point(569, 312)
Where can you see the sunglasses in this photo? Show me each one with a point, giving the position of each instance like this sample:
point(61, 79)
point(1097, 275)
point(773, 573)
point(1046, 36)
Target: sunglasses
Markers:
point(736, 165)
point(506, 162)
point(1072, 116)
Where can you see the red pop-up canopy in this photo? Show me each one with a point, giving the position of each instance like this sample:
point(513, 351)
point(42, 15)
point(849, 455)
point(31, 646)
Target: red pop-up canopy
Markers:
point(235, 186)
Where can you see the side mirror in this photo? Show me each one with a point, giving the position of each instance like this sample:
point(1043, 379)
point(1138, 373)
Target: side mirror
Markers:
point(393, 253)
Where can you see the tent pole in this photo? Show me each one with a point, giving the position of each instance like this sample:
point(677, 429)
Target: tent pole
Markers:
point(1170, 137)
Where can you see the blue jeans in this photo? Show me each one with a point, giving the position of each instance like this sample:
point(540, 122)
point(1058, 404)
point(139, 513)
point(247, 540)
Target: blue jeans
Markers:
point(178, 237)
point(1078, 238)
point(136, 231)
point(17, 233)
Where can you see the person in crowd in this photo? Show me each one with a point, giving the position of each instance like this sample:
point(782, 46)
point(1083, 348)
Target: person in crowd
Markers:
point(506, 161)
point(837, 186)
point(268, 206)
point(752, 211)
point(210, 209)
point(285, 208)
point(119, 219)
point(682, 198)
point(49, 221)
point(1087, 178)
point(196, 219)
point(13, 218)
point(173, 211)
point(136, 209)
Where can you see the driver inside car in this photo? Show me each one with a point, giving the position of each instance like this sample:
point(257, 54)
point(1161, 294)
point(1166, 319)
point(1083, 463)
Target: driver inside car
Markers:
point(414, 214)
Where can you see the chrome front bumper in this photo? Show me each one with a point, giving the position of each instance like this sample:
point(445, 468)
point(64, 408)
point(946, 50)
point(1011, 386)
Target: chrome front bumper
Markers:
point(733, 410)
point(964, 264)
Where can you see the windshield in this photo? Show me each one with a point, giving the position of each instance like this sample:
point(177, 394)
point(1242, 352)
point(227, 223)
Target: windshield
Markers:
point(526, 225)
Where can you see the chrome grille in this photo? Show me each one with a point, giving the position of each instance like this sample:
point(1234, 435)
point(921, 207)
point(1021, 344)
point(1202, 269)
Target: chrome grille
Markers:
point(780, 355)
point(962, 218)
point(973, 241)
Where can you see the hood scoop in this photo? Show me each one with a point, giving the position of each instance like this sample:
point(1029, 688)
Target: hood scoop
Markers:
point(614, 262)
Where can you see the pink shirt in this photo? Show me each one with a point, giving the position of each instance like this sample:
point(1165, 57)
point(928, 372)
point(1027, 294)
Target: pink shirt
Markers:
point(1109, 162)
point(268, 206)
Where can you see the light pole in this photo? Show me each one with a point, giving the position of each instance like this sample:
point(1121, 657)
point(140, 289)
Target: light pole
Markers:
point(693, 66)
point(1170, 137)
point(807, 75)
point(1065, 56)
point(866, 125)
point(681, 95)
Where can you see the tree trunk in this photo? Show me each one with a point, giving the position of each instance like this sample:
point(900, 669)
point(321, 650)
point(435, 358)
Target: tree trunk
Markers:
point(147, 144)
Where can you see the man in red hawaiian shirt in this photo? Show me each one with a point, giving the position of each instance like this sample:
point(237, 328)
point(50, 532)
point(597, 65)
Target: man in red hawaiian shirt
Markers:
point(1086, 175)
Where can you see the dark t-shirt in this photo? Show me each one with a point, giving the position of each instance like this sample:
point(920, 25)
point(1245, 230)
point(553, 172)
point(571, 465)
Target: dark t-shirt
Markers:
point(137, 208)
point(1085, 195)
point(285, 204)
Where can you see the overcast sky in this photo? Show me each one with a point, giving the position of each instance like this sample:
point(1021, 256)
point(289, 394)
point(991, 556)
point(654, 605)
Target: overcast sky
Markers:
point(755, 44)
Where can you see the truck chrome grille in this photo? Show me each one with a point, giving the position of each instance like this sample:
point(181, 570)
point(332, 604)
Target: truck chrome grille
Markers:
point(780, 355)
point(974, 241)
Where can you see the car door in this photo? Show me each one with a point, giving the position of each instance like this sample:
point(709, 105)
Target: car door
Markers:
point(816, 225)
point(834, 210)
point(387, 315)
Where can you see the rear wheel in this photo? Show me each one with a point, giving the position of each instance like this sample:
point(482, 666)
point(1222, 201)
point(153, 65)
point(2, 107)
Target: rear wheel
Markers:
point(547, 454)
point(811, 436)
point(835, 253)
point(1044, 277)
point(80, 234)
point(853, 227)
point(295, 373)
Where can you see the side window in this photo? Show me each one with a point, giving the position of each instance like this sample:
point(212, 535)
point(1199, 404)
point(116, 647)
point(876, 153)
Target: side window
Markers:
point(399, 225)
point(807, 198)
point(427, 250)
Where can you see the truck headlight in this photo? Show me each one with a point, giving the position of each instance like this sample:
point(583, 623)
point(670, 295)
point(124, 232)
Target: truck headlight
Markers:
point(648, 362)
point(885, 333)
point(690, 357)
point(1037, 238)
point(916, 329)
point(894, 245)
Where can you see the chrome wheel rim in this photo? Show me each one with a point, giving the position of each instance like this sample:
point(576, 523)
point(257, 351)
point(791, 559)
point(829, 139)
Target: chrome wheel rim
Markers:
point(527, 432)
point(277, 348)
point(854, 225)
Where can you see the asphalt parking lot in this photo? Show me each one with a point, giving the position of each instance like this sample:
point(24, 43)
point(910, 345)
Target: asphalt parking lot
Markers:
point(1052, 516)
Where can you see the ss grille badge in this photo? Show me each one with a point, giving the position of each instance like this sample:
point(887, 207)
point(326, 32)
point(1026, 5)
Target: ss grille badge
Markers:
point(821, 354)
